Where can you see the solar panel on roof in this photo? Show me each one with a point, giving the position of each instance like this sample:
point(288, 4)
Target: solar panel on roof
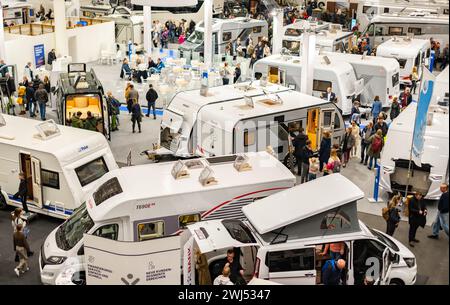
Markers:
point(221, 159)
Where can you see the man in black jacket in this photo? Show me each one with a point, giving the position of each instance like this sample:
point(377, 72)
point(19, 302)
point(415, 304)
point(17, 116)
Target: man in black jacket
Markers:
point(299, 142)
point(151, 98)
point(237, 73)
point(31, 102)
point(51, 57)
point(23, 192)
point(417, 216)
point(442, 215)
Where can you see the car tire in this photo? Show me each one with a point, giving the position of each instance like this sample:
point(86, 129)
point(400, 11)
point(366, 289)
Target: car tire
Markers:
point(396, 282)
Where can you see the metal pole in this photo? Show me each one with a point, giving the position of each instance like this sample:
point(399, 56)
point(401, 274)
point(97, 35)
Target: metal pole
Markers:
point(207, 46)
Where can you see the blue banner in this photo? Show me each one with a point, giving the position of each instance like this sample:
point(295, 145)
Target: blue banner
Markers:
point(39, 55)
point(420, 125)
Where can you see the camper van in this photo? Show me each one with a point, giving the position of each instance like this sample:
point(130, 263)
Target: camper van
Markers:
point(409, 53)
point(381, 76)
point(125, 208)
point(224, 31)
point(422, 26)
point(248, 117)
point(79, 90)
point(434, 167)
point(61, 164)
point(289, 248)
point(441, 88)
point(286, 70)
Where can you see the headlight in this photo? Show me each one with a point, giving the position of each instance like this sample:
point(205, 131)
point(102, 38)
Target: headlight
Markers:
point(56, 260)
point(410, 261)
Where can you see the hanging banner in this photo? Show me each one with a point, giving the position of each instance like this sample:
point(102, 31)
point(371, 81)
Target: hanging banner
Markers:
point(420, 124)
point(39, 55)
point(150, 262)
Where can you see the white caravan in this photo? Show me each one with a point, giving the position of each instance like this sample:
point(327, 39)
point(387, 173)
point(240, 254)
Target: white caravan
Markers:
point(149, 201)
point(409, 53)
point(286, 248)
point(385, 26)
point(247, 117)
point(334, 39)
point(293, 33)
point(61, 164)
point(381, 76)
point(396, 153)
point(224, 31)
point(441, 88)
point(339, 75)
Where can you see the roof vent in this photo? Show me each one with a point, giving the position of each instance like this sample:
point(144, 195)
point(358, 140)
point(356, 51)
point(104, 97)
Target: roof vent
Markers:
point(327, 60)
point(47, 130)
point(206, 177)
point(241, 163)
point(179, 170)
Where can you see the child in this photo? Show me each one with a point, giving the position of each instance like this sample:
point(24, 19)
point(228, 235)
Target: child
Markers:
point(313, 168)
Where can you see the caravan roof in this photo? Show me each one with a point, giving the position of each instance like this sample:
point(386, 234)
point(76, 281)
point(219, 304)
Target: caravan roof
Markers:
point(301, 202)
point(401, 46)
point(155, 180)
point(235, 111)
point(390, 64)
point(235, 23)
point(410, 18)
point(69, 144)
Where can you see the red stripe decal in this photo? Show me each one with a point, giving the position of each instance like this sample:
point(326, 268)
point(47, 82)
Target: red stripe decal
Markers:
point(239, 197)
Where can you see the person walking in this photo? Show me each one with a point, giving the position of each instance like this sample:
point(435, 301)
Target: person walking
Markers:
point(376, 143)
point(395, 108)
point(151, 98)
point(237, 73)
point(347, 145)
point(51, 57)
point(376, 108)
point(28, 71)
point(225, 73)
point(114, 110)
point(136, 115)
point(442, 214)
point(405, 98)
point(127, 99)
point(31, 102)
point(356, 131)
point(393, 215)
point(299, 142)
point(22, 193)
point(133, 95)
point(333, 164)
point(414, 79)
point(22, 249)
point(306, 154)
point(381, 124)
point(41, 97)
point(417, 216)
point(325, 149)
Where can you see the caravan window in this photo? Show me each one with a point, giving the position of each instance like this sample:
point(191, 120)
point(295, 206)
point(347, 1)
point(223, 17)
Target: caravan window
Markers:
point(415, 31)
point(402, 62)
point(110, 231)
point(150, 230)
point(91, 171)
point(50, 179)
point(249, 138)
point(321, 85)
point(226, 36)
point(395, 79)
point(291, 260)
point(257, 29)
point(335, 220)
point(337, 121)
point(238, 230)
point(185, 220)
point(395, 30)
point(107, 190)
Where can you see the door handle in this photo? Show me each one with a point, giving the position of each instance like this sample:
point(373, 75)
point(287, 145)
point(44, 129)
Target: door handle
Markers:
point(309, 274)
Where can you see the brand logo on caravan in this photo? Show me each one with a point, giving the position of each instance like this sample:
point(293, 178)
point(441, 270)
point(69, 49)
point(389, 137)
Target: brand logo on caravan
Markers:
point(145, 206)
point(83, 148)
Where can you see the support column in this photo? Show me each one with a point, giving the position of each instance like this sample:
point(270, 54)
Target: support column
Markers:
point(208, 47)
point(308, 58)
point(61, 39)
point(2, 36)
point(148, 30)
point(277, 31)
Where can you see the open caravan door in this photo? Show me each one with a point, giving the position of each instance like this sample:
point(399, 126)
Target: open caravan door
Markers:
point(213, 238)
point(36, 182)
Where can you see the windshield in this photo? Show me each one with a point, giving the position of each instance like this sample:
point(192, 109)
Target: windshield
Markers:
point(384, 239)
point(239, 231)
point(72, 230)
point(196, 37)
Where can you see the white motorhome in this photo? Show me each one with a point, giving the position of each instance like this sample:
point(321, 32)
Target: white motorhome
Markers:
point(225, 31)
point(334, 39)
point(433, 171)
point(247, 117)
point(61, 164)
point(381, 76)
point(424, 26)
point(126, 208)
point(287, 249)
point(292, 33)
point(339, 75)
point(409, 53)
point(441, 88)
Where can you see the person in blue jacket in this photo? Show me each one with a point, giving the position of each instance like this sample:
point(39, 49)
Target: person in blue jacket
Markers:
point(376, 108)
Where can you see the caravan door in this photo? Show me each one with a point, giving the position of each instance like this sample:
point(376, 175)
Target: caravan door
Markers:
point(327, 117)
point(36, 181)
point(292, 266)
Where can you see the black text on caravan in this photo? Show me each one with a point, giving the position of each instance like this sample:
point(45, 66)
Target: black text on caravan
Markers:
point(145, 206)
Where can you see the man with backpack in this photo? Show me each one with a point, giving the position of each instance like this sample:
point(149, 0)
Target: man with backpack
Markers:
point(376, 143)
point(332, 272)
